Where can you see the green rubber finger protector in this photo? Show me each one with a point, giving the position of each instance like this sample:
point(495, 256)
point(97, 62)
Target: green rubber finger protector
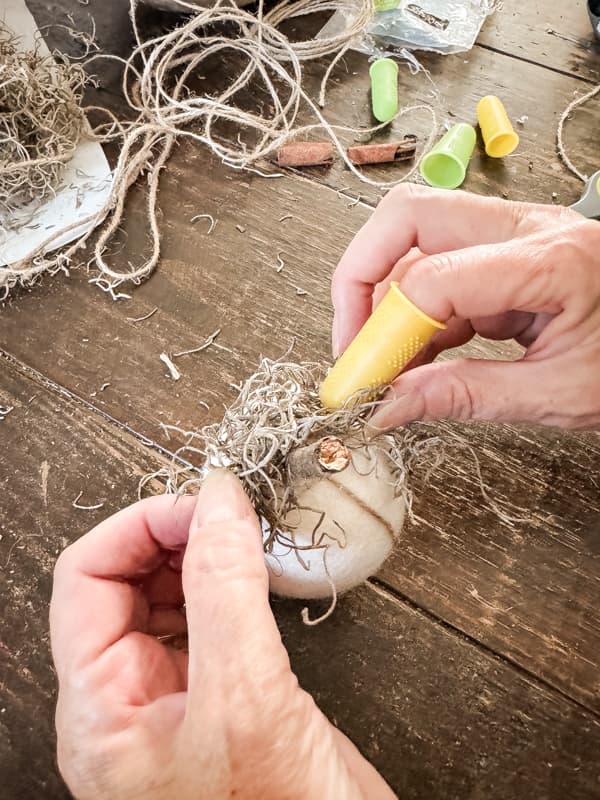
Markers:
point(384, 89)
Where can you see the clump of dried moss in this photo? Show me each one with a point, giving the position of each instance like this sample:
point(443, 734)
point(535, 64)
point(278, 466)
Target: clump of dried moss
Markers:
point(41, 122)
point(277, 412)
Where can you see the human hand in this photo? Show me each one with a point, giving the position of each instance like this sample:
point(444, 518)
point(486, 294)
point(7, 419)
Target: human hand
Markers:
point(138, 718)
point(483, 265)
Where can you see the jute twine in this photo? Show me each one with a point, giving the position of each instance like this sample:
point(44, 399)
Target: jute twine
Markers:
point(157, 85)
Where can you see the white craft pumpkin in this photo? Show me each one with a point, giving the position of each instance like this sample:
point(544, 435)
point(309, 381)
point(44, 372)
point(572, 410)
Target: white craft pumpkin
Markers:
point(359, 511)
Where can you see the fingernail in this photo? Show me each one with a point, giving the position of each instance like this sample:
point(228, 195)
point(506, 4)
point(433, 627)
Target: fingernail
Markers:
point(221, 499)
point(372, 431)
point(399, 411)
point(379, 423)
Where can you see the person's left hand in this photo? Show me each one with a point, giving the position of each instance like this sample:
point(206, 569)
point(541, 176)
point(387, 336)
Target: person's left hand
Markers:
point(139, 718)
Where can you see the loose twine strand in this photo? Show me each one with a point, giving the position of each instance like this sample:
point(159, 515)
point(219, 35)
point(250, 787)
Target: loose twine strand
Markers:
point(156, 86)
point(579, 101)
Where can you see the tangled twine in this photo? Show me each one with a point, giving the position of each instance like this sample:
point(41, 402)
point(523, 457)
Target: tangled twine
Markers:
point(158, 85)
point(579, 101)
point(41, 123)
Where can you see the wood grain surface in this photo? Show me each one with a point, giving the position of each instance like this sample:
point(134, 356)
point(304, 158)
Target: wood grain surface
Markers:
point(437, 714)
point(470, 666)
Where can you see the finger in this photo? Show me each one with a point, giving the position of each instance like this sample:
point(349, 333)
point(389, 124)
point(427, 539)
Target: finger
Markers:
point(529, 274)
point(93, 604)
point(469, 389)
point(458, 332)
point(435, 221)
point(522, 326)
point(230, 625)
point(529, 334)
point(369, 780)
point(511, 325)
point(397, 273)
point(163, 587)
point(166, 621)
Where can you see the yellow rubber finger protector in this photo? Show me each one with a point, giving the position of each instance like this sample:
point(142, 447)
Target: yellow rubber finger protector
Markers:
point(392, 336)
point(496, 128)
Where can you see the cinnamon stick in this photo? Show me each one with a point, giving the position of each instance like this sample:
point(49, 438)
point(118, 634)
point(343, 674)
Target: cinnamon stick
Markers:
point(305, 154)
point(383, 153)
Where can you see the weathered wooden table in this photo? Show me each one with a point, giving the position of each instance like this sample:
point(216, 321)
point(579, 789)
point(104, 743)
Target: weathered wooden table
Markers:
point(470, 667)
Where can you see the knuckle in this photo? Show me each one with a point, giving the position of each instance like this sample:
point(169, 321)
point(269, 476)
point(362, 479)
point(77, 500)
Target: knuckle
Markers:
point(521, 214)
point(405, 193)
point(456, 401)
point(438, 265)
point(569, 258)
point(568, 216)
point(540, 267)
point(223, 551)
point(587, 236)
point(461, 403)
point(531, 217)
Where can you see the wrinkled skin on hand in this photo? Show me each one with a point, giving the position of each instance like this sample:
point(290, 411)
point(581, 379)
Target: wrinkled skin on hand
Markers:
point(487, 266)
point(138, 718)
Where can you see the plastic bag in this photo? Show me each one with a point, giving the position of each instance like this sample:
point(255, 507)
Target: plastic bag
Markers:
point(441, 26)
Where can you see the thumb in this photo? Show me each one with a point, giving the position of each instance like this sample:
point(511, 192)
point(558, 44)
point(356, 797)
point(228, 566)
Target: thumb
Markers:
point(230, 625)
point(464, 389)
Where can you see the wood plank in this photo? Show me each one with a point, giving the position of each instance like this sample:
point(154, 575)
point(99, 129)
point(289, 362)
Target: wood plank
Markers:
point(228, 280)
point(112, 34)
point(54, 452)
point(533, 173)
point(556, 35)
point(440, 736)
point(520, 30)
point(436, 714)
point(529, 590)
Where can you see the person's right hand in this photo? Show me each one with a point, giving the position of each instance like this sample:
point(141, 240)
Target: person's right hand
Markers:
point(503, 270)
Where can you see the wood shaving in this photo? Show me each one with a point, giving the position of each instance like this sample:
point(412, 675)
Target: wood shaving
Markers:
point(77, 504)
point(146, 316)
point(173, 371)
point(204, 346)
point(5, 411)
point(17, 541)
point(213, 221)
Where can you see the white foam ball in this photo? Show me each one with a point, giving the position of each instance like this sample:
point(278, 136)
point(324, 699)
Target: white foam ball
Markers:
point(360, 515)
